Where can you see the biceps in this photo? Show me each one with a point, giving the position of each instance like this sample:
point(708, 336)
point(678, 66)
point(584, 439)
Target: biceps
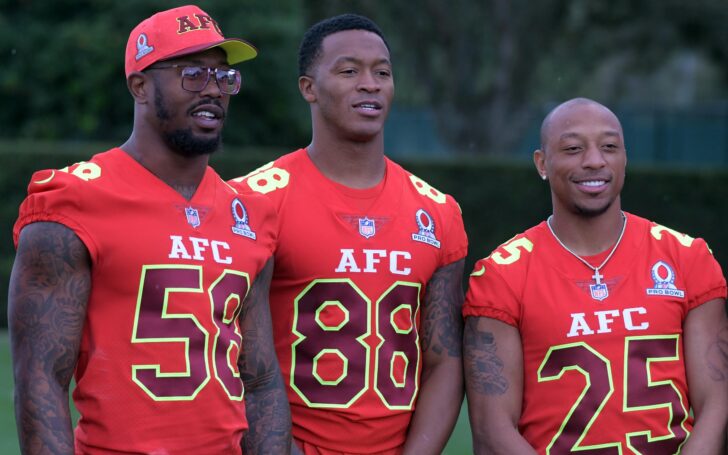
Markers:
point(706, 351)
point(49, 288)
point(442, 320)
point(493, 364)
point(257, 357)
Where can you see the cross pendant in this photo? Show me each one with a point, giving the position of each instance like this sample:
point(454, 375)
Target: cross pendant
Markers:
point(597, 277)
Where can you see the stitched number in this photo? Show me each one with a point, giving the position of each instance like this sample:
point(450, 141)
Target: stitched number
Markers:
point(182, 341)
point(514, 253)
point(84, 171)
point(425, 189)
point(227, 295)
point(398, 357)
point(640, 393)
point(599, 387)
point(266, 178)
point(684, 239)
point(643, 393)
point(331, 361)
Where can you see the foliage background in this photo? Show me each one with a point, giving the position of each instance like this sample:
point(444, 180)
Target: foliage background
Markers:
point(484, 69)
point(473, 77)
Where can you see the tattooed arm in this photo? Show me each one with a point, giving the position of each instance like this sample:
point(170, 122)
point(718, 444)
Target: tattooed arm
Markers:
point(706, 359)
point(493, 361)
point(266, 404)
point(49, 288)
point(441, 383)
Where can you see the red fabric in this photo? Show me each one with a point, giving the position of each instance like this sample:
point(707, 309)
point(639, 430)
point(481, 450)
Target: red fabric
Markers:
point(340, 289)
point(575, 346)
point(141, 245)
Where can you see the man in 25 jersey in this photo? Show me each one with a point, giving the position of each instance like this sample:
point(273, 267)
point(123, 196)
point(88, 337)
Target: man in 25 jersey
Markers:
point(366, 290)
point(145, 275)
point(596, 331)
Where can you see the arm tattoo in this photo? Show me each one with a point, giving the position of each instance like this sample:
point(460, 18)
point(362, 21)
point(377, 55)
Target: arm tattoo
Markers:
point(442, 323)
point(266, 403)
point(718, 357)
point(49, 289)
point(485, 368)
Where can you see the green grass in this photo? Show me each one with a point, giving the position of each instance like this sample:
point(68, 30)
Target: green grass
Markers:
point(459, 441)
point(8, 436)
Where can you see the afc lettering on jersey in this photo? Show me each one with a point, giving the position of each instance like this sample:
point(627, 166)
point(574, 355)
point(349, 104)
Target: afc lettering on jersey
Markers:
point(601, 321)
point(197, 249)
point(372, 261)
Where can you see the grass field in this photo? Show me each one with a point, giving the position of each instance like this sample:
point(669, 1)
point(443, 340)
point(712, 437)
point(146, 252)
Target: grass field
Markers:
point(459, 442)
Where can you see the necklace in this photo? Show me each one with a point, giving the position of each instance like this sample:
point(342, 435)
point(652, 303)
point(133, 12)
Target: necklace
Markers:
point(599, 291)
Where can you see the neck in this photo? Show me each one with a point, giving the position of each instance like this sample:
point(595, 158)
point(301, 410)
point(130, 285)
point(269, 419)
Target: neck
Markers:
point(183, 174)
point(353, 164)
point(587, 236)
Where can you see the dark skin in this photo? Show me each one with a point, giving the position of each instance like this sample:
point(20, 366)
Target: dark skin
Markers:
point(584, 159)
point(52, 277)
point(354, 67)
point(266, 403)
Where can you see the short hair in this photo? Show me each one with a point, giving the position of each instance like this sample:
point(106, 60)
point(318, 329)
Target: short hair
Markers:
point(310, 48)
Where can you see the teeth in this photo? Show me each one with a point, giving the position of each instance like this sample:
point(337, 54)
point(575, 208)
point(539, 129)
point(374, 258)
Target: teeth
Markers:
point(206, 114)
point(593, 183)
point(367, 106)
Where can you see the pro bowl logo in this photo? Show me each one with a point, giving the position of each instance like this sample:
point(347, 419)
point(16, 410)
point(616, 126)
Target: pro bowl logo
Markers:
point(425, 229)
point(143, 48)
point(664, 278)
point(240, 216)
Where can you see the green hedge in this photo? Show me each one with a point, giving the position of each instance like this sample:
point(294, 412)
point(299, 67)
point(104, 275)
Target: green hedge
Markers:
point(498, 199)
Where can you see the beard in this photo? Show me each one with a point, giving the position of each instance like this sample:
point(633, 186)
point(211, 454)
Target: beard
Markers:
point(183, 141)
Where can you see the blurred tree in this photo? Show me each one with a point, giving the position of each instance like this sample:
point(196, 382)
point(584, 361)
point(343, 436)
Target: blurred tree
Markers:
point(486, 67)
point(64, 73)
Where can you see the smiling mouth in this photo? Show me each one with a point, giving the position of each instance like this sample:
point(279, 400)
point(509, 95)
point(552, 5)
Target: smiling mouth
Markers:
point(593, 183)
point(368, 106)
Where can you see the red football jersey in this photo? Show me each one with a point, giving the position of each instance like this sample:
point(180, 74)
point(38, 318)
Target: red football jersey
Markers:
point(604, 369)
point(157, 370)
point(351, 269)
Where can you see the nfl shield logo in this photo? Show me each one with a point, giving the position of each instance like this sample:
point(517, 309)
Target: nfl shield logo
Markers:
point(193, 217)
point(599, 291)
point(366, 227)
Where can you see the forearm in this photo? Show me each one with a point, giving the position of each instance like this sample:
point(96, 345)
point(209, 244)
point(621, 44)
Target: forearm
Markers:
point(438, 406)
point(709, 431)
point(43, 417)
point(501, 439)
point(268, 414)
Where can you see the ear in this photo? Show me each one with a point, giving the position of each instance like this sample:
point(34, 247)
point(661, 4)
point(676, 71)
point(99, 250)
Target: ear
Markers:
point(305, 86)
point(539, 159)
point(140, 86)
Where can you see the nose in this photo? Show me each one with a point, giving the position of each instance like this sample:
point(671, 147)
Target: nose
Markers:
point(368, 82)
point(593, 158)
point(212, 89)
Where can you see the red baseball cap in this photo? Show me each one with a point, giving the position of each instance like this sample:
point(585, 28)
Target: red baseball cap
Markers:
point(180, 31)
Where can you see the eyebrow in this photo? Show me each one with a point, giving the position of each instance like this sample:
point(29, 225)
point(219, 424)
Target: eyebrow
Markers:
point(348, 59)
point(575, 135)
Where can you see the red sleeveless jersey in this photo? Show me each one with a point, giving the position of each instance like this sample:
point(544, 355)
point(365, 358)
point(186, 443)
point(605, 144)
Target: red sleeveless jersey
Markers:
point(604, 368)
point(157, 370)
point(350, 277)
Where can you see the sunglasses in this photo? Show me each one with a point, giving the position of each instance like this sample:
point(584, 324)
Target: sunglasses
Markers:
point(195, 78)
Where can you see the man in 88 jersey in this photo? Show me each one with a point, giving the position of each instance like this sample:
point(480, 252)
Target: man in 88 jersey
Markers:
point(366, 292)
point(596, 331)
point(145, 276)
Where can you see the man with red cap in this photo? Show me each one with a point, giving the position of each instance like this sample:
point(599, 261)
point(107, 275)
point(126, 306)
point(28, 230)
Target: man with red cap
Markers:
point(145, 277)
